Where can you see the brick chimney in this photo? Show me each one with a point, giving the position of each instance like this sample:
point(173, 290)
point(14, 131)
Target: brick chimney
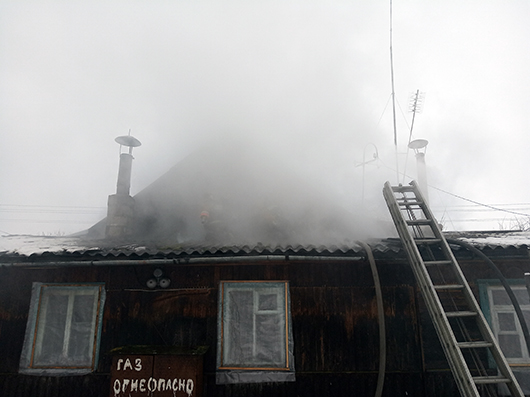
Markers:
point(120, 210)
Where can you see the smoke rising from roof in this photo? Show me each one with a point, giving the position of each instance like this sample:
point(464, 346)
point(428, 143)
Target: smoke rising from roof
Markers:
point(308, 82)
point(244, 192)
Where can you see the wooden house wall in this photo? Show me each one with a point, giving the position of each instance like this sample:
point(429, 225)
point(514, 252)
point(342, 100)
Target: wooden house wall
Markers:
point(334, 318)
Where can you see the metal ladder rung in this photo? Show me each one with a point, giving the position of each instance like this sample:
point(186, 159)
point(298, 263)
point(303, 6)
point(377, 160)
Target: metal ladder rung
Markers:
point(409, 203)
point(474, 345)
point(481, 380)
point(403, 188)
point(461, 313)
point(417, 222)
point(434, 263)
point(448, 286)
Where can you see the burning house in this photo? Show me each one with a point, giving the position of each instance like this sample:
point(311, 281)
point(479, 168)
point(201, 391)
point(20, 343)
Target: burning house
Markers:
point(200, 286)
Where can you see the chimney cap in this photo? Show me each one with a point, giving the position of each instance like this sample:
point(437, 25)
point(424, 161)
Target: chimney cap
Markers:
point(127, 140)
point(418, 143)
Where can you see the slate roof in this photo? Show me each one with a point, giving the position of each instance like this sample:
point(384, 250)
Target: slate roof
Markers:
point(25, 248)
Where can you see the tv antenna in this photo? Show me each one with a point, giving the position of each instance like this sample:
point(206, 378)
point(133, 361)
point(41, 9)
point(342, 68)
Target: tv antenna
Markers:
point(415, 106)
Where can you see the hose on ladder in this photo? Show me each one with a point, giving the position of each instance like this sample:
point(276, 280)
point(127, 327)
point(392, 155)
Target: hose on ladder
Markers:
point(380, 317)
point(504, 283)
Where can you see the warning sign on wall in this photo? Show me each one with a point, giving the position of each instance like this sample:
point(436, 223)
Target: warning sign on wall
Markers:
point(157, 375)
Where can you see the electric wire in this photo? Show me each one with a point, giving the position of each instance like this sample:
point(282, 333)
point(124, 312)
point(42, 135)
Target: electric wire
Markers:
point(384, 109)
point(66, 221)
point(403, 115)
point(49, 209)
point(488, 206)
point(478, 203)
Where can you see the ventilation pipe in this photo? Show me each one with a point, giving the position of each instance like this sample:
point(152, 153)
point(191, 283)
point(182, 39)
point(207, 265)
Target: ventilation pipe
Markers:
point(120, 210)
point(420, 148)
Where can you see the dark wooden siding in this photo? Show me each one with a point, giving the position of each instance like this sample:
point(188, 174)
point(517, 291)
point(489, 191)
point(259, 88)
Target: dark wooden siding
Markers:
point(334, 317)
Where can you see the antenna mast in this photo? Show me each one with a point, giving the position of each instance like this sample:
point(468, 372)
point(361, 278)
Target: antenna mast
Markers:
point(415, 106)
point(393, 95)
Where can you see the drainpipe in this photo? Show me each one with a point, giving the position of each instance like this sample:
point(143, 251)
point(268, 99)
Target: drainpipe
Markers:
point(243, 260)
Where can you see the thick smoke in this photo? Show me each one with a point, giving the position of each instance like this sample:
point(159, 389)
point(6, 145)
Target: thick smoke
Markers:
point(307, 82)
point(244, 192)
point(272, 120)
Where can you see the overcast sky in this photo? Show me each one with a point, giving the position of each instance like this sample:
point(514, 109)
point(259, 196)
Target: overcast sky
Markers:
point(311, 78)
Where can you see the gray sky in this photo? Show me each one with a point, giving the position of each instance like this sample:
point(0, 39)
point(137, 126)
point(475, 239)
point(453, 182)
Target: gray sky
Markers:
point(310, 78)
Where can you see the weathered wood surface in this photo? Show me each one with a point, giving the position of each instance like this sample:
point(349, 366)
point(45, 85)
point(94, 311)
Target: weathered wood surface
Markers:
point(334, 318)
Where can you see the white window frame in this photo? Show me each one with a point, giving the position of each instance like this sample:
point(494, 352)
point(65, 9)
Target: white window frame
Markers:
point(496, 309)
point(280, 368)
point(491, 312)
point(40, 306)
point(520, 366)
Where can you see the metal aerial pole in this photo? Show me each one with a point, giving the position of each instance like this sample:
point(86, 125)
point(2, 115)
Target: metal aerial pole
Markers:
point(415, 107)
point(393, 95)
point(416, 103)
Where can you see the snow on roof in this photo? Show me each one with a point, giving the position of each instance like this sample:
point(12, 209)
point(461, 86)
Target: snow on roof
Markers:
point(27, 245)
point(493, 239)
point(33, 245)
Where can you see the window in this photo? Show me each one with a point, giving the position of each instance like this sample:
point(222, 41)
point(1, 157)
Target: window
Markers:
point(504, 321)
point(499, 312)
point(254, 337)
point(62, 333)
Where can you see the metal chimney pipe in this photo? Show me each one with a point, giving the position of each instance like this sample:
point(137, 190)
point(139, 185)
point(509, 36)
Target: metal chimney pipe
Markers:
point(422, 175)
point(420, 147)
point(124, 174)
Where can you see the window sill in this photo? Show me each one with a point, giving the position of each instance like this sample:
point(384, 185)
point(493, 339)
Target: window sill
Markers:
point(55, 371)
point(234, 377)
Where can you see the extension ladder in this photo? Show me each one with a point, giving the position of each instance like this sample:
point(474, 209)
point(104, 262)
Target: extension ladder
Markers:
point(463, 331)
